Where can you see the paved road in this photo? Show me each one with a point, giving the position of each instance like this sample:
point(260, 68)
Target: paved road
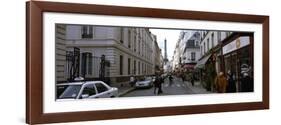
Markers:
point(176, 88)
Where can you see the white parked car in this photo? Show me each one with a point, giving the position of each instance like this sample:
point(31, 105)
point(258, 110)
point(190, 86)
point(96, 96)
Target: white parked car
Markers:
point(146, 83)
point(86, 90)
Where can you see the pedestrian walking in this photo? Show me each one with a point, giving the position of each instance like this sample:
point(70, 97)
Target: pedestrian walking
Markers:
point(170, 80)
point(231, 87)
point(182, 77)
point(160, 85)
point(132, 81)
point(192, 79)
point(220, 83)
point(156, 84)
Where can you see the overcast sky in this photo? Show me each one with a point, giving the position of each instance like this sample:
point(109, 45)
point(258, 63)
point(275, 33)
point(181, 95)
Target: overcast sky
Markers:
point(172, 37)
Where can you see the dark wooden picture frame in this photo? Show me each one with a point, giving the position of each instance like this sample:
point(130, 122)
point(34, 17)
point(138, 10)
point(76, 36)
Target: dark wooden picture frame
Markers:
point(34, 61)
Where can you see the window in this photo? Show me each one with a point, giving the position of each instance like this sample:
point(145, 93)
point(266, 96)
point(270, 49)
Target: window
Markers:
point(204, 47)
point(142, 67)
point(86, 64)
point(129, 38)
point(219, 36)
point(212, 40)
point(135, 39)
point(145, 68)
point(129, 66)
point(101, 88)
point(208, 44)
point(71, 91)
point(139, 45)
point(90, 64)
point(193, 56)
point(89, 90)
point(121, 35)
point(87, 32)
point(190, 43)
point(201, 50)
point(139, 68)
point(134, 67)
point(121, 65)
point(142, 51)
point(69, 63)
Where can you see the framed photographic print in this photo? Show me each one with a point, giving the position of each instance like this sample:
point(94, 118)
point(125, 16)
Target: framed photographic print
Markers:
point(95, 62)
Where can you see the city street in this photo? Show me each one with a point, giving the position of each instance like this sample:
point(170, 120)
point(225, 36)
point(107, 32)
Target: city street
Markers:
point(143, 53)
point(178, 87)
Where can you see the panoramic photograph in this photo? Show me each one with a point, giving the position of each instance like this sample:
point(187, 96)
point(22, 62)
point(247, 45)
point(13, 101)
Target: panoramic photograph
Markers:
point(94, 61)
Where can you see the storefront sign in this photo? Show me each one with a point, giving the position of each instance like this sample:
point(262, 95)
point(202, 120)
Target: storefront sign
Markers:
point(236, 44)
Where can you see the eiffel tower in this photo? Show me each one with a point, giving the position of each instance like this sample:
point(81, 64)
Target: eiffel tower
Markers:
point(165, 52)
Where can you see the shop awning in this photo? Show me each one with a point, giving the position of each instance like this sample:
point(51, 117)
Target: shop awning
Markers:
point(188, 66)
point(201, 63)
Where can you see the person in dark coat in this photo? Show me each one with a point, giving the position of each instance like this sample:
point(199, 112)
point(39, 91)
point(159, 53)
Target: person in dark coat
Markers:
point(157, 85)
point(170, 80)
point(160, 86)
point(231, 87)
point(192, 79)
point(247, 84)
point(182, 77)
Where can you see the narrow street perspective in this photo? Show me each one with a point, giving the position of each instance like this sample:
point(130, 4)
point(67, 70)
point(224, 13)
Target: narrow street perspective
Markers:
point(177, 87)
point(108, 62)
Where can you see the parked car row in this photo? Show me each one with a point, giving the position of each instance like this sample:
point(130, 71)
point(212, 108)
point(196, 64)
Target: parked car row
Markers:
point(80, 89)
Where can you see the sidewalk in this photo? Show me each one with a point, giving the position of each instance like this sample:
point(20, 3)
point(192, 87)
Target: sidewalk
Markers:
point(123, 88)
point(197, 88)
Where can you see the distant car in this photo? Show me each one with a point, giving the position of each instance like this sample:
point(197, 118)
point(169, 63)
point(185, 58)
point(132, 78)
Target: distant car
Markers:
point(146, 83)
point(153, 78)
point(86, 90)
point(164, 76)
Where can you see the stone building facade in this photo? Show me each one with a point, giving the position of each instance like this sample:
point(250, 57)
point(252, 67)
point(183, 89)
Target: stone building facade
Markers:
point(60, 51)
point(128, 51)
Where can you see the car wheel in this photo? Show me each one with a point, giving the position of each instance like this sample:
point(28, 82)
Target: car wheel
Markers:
point(112, 96)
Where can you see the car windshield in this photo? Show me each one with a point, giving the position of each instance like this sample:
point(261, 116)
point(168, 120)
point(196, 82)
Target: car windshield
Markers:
point(70, 92)
point(148, 78)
